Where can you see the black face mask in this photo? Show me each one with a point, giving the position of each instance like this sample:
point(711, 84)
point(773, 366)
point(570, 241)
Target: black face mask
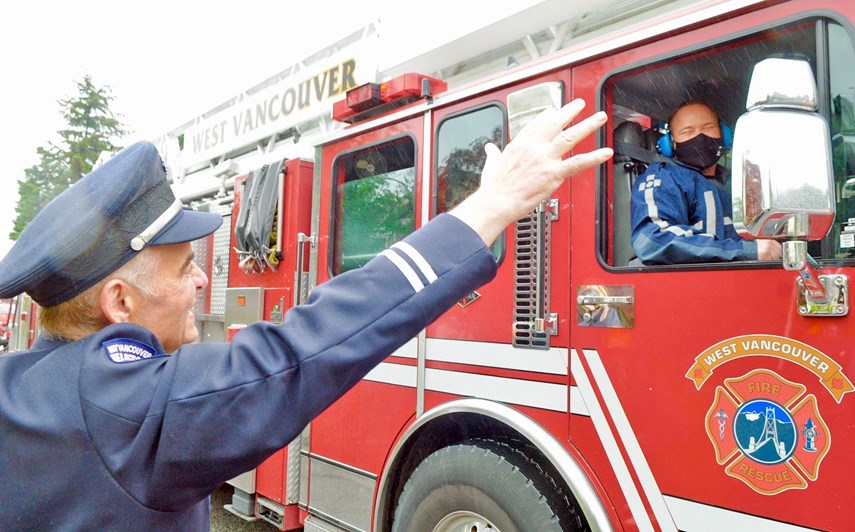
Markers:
point(700, 152)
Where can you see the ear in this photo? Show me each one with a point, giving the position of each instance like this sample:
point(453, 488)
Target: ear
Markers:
point(117, 301)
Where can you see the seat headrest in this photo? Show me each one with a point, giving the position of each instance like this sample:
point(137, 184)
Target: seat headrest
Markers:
point(651, 137)
point(628, 133)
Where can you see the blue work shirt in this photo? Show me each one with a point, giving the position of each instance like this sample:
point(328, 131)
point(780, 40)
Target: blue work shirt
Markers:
point(110, 433)
point(681, 216)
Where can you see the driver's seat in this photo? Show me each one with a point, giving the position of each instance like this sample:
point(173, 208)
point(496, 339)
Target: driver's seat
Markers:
point(630, 143)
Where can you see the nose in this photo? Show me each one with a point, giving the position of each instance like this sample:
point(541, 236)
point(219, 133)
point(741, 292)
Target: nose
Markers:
point(200, 280)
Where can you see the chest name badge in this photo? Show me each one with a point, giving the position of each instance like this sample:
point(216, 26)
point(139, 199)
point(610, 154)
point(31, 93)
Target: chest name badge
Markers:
point(123, 350)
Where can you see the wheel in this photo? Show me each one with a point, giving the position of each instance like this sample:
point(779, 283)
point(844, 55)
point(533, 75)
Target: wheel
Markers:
point(482, 486)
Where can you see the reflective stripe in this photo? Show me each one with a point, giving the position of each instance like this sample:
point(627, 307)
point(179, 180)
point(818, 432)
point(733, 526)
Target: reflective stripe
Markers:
point(613, 454)
point(545, 395)
point(709, 201)
point(652, 209)
point(699, 517)
point(614, 409)
point(677, 230)
point(653, 213)
point(418, 259)
point(405, 268)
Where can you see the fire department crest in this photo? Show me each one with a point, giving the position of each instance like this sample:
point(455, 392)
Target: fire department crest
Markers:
point(767, 432)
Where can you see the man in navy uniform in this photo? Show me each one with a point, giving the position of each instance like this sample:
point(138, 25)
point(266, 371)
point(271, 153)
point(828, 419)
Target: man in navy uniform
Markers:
point(682, 212)
point(116, 420)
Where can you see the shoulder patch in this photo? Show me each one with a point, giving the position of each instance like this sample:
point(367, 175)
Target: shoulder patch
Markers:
point(122, 350)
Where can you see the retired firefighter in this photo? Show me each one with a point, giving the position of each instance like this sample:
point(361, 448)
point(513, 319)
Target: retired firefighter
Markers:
point(117, 420)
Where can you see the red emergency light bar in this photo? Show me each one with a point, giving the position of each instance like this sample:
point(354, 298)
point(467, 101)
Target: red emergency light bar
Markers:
point(372, 99)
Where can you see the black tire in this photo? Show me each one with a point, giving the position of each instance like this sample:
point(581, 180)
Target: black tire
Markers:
point(482, 485)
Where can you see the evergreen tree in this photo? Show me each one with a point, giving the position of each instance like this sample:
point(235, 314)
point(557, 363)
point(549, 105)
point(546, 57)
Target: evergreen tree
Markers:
point(91, 126)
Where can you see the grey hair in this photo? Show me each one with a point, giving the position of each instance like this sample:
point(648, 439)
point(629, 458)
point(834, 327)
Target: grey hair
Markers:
point(140, 272)
point(81, 315)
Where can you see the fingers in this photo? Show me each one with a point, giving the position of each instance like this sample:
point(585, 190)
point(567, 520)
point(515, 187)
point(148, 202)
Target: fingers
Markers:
point(549, 123)
point(584, 161)
point(493, 153)
point(768, 249)
point(569, 137)
point(560, 118)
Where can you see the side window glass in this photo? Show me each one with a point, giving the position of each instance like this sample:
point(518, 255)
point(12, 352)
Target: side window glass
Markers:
point(374, 201)
point(460, 156)
point(842, 84)
point(655, 211)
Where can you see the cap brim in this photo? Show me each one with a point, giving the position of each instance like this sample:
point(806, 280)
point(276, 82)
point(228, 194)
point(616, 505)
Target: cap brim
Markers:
point(188, 226)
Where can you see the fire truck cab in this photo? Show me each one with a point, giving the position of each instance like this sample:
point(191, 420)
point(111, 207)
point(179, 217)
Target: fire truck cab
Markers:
point(580, 389)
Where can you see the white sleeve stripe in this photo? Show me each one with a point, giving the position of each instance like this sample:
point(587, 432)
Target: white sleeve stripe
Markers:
point(679, 231)
point(652, 210)
point(712, 215)
point(418, 259)
point(405, 268)
point(653, 214)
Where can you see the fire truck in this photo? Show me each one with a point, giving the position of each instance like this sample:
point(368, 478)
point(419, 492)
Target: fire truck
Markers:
point(18, 323)
point(580, 389)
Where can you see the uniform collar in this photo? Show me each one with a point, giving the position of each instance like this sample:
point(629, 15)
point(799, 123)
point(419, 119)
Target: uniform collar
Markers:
point(48, 344)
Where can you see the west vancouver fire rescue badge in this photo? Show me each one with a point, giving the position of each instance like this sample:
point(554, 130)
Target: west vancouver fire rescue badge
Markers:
point(765, 429)
point(124, 350)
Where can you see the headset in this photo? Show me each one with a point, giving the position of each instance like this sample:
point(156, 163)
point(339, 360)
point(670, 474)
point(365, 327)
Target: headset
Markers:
point(665, 143)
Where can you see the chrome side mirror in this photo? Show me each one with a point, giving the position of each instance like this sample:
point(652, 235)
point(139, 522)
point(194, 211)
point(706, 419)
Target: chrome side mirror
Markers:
point(783, 185)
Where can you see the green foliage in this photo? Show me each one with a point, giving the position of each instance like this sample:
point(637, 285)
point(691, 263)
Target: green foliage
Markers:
point(90, 127)
point(460, 171)
point(377, 212)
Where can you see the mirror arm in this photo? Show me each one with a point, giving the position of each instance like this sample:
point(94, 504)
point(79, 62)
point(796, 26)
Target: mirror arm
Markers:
point(796, 258)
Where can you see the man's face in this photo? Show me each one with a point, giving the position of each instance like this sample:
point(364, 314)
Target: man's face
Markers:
point(175, 283)
point(692, 120)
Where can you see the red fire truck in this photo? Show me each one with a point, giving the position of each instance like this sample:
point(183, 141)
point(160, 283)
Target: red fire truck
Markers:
point(580, 389)
point(18, 323)
point(6, 316)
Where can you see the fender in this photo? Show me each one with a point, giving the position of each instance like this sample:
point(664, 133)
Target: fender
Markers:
point(572, 474)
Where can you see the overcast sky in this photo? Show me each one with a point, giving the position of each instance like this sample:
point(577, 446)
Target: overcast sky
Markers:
point(167, 61)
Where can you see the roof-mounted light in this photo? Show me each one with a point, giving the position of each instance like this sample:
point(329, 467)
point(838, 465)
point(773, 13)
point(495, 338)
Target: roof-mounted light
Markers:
point(372, 99)
point(364, 97)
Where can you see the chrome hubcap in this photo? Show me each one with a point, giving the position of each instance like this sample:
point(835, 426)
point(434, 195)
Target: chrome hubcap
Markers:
point(464, 522)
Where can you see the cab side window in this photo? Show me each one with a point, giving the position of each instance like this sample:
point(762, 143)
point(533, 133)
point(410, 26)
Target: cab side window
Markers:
point(460, 156)
point(641, 100)
point(841, 57)
point(374, 201)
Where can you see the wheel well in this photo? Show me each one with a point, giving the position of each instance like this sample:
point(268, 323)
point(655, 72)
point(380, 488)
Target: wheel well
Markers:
point(451, 429)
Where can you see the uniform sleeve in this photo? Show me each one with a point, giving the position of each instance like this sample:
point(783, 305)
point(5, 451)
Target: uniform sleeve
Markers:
point(663, 233)
point(191, 421)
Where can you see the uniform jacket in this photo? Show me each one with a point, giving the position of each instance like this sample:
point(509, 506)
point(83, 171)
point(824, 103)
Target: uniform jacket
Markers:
point(680, 216)
point(109, 433)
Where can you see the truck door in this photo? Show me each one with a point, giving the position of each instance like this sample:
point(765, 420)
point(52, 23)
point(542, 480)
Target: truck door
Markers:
point(489, 336)
point(716, 386)
point(371, 192)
